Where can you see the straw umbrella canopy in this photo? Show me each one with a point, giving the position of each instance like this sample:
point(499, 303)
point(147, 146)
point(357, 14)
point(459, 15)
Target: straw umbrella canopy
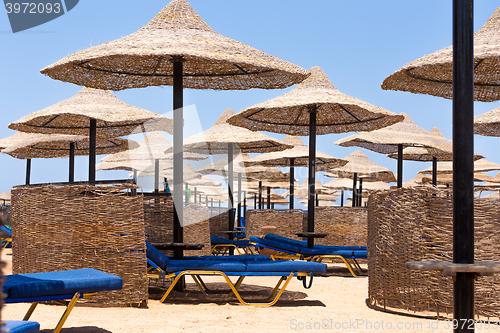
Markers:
point(176, 48)
point(432, 74)
point(361, 166)
point(26, 146)
point(296, 156)
point(321, 203)
point(223, 138)
point(91, 112)
point(481, 165)
point(487, 124)
point(315, 106)
point(4, 196)
point(392, 139)
point(447, 178)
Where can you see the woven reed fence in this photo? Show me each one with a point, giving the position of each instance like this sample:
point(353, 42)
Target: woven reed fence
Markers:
point(345, 226)
point(159, 224)
point(219, 222)
point(410, 224)
point(286, 221)
point(78, 226)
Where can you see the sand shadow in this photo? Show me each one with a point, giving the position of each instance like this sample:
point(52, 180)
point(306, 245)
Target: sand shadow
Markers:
point(220, 294)
point(84, 329)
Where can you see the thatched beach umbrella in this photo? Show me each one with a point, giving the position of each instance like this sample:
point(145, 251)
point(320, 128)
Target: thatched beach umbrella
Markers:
point(33, 145)
point(488, 123)
point(360, 166)
point(392, 139)
point(92, 113)
point(223, 138)
point(315, 106)
point(481, 165)
point(466, 72)
point(176, 48)
point(296, 156)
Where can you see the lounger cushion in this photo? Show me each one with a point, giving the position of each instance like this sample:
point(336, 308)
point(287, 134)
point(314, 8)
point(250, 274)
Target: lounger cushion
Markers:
point(86, 280)
point(214, 240)
point(156, 256)
point(296, 246)
point(17, 326)
point(243, 257)
point(205, 265)
point(286, 266)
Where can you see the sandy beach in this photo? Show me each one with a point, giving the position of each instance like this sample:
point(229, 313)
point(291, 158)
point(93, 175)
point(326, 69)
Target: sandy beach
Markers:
point(335, 303)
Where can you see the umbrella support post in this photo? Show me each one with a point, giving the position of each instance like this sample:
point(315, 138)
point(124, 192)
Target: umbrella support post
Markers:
point(342, 199)
point(245, 205)
point(238, 223)
point(268, 198)
point(28, 171)
point(230, 204)
point(360, 194)
point(92, 145)
point(157, 175)
point(434, 171)
point(312, 174)
point(255, 201)
point(400, 165)
point(292, 179)
point(354, 181)
point(71, 162)
point(463, 159)
point(260, 194)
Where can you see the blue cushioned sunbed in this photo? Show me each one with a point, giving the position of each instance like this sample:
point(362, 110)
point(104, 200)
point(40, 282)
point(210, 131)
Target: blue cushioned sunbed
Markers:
point(348, 254)
point(221, 246)
point(17, 326)
point(240, 266)
point(60, 285)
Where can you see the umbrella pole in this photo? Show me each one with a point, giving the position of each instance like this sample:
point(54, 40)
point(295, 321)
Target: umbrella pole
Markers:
point(195, 195)
point(28, 171)
point(260, 194)
point(157, 174)
point(239, 200)
point(178, 156)
point(400, 165)
point(360, 194)
point(292, 179)
point(71, 162)
point(93, 130)
point(187, 202)
point(317, 200)
point(255, 201)
point(244, 205)
point(354, 181)
point(230, 192)
point(211, 202)
point(268, 197)
point(434, 171)
point(342, 199)
point(463, 159)
point(312, 174)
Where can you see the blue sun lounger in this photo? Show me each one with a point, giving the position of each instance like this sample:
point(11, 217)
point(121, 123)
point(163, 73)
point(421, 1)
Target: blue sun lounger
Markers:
point(17, 326)
point(299, 249)
point(240, 266)
point(221, 246)
point(61, 285)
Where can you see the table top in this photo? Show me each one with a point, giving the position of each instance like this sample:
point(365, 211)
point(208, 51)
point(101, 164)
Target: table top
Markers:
point(311, 234)
point(178, 246)
point(229, 232)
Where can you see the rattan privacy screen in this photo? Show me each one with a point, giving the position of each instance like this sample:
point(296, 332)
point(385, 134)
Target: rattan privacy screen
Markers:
point(77, 226)
point(410, 224)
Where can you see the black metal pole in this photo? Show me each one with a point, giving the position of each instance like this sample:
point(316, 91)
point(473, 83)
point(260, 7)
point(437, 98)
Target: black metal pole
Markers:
point(463, 160)
point(400, 165)
point(312, 174)
point(354, 181)
point(92, 134)
point(195, 195)
point(434, 171)
point(292, 182)
point(178, 85)
point(255, 201)
point(28, 171)
point(71, 162)
point(244, 205)
point(317, 200)
point(342, 199)
point(230, 204)
point(239, 200)
point(268, 197)
point(260, 194)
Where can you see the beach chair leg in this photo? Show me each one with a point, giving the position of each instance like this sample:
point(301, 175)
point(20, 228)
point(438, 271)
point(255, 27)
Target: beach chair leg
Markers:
point(66, 313)
point(30, 311)
point(261, 302)
point(177, 278)
point(199, 282)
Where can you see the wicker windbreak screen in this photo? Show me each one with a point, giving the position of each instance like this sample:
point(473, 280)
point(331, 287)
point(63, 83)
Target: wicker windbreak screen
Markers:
point(60, 227)
point(410, 224)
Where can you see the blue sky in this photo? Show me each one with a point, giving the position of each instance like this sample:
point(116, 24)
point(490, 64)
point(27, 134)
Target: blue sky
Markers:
point(357, 43)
